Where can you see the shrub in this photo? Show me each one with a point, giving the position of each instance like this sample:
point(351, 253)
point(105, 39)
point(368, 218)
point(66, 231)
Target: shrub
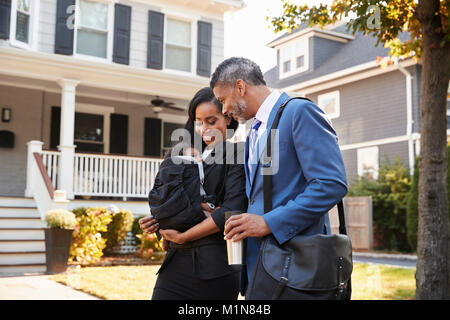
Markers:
point(149, 245)
point(61, 219)
point(88, 244)
point(389, 197)
point(121, 223)
point(136, 229)
point(413, 196)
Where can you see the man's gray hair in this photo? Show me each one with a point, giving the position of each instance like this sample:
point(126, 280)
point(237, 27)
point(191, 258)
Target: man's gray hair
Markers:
point(232, 69)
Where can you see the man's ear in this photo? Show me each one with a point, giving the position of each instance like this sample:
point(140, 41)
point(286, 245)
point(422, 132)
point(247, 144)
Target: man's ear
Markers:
point(240, 87)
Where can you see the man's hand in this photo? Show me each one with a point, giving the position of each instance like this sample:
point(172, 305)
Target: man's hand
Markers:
point(245, 225)
point(148, 224)
point(207, 210)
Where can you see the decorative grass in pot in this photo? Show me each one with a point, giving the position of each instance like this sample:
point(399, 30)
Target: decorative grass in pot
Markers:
point(58, 238)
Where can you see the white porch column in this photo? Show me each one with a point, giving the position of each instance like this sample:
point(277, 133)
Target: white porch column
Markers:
point(33, 146)
point(66, 146)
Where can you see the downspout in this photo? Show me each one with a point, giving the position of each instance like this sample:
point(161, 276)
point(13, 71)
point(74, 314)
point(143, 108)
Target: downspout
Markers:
point(409, 112)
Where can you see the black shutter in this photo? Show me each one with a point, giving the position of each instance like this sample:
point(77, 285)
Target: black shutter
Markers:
point(5, 15)
point(63, 34)
point(155, 40)
point(122, 26)
point(152, 137)
point(118, 137)
point(55, 127)
point(204, 44)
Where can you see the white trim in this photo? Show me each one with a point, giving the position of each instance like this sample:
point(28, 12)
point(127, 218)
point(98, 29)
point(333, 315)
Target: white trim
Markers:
point(347, 75)
point(332, 35)
point(193, 21)
point(293, 58)
point(336, 96)
point(33, 26)
point(359, 157)
point(374, 142)
point(105, 111)
point(51, 67)
point(173, 118)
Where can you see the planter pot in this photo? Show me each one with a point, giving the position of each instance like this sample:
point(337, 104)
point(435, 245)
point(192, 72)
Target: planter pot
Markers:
point(57, 249)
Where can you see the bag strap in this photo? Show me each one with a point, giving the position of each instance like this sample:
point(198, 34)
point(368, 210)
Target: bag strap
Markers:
point(267, 178)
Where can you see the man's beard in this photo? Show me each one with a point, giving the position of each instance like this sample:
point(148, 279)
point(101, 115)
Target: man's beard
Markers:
point(238, 111)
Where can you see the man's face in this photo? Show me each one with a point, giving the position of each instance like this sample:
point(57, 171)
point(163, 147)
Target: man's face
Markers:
point(233, 101)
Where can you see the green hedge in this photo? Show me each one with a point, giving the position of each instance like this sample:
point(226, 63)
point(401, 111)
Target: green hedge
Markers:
point(389, 198)
point(413, 211)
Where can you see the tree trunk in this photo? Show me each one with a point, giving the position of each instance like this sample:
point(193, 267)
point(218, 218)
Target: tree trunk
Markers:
point(433, 265)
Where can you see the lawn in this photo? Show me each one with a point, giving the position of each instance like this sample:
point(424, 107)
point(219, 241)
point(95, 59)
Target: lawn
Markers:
point(369, 282)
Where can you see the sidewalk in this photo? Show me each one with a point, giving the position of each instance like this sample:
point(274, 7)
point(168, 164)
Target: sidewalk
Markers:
point(395, 260)
point(38, 287)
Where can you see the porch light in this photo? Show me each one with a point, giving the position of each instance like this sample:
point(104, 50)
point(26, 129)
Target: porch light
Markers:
point(6, 114)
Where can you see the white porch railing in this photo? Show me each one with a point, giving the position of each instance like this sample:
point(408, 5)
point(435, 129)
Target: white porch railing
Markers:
point(107, 175)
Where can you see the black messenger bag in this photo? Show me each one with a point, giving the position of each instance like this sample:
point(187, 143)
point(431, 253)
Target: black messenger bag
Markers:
point(309, 267)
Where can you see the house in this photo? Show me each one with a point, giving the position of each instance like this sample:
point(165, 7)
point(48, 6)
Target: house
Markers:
point(374, 110)
point(90, 92)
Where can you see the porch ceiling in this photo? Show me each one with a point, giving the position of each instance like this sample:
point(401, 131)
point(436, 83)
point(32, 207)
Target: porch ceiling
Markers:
point(110, 76)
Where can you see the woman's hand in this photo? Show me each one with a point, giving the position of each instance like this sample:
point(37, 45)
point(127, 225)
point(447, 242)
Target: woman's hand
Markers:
point(165, 244)
point(207, 210)
point(148, 224)
point(172, 235)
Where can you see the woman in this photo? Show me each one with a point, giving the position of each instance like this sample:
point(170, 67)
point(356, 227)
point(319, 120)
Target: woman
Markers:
point(196, 264)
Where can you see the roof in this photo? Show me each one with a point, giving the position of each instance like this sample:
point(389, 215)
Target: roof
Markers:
point(355, 52)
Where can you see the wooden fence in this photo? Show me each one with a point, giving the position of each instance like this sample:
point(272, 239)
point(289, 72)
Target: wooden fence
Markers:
point(358, 219)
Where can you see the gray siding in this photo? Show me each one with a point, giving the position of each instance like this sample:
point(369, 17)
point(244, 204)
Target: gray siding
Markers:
point(47, 21)
point(372, 109)
point(321, 50)
point(26, 107)
point(386, 152)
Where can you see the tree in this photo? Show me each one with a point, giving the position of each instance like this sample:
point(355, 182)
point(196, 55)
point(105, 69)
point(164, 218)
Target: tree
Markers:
point(427, 22)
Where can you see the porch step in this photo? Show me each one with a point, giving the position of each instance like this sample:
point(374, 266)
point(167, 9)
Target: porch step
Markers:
point(18, 212)
point(22, 258)
point(8, 201)
point(22, 234)
point(21, 222)
point(10, 270)
point(21, 245)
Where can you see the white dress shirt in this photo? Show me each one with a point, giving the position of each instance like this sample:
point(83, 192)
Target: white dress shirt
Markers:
point(263, 116)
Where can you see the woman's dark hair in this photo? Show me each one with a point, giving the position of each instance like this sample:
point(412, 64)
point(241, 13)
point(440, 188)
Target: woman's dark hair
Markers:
point(207, 95)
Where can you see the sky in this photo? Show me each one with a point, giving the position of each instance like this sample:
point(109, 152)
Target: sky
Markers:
point(247, 32)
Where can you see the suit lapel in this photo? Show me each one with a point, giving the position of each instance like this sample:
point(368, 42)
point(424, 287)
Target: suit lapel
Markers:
point(262, 141)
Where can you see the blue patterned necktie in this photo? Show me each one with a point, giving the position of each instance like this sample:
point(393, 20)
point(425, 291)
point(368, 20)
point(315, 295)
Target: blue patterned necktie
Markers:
point(252, 144)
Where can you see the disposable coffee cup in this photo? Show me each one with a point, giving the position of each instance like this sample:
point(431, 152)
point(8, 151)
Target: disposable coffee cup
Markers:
point(235, 250)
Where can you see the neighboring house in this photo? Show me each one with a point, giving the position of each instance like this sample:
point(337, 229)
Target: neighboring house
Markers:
point(94, 89)
point(374, 110)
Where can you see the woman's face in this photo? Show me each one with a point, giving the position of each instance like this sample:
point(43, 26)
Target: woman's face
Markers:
point(209, 122)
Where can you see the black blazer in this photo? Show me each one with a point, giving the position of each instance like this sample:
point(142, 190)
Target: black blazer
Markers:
point(227, 182)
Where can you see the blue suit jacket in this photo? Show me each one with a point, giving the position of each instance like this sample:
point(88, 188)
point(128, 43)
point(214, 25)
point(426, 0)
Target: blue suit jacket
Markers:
point(310, 179)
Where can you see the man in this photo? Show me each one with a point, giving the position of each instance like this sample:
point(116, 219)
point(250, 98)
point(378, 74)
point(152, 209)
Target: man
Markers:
point(311, 176)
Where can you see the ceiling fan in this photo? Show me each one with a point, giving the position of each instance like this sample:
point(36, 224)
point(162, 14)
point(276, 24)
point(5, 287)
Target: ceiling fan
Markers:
point(159, 105)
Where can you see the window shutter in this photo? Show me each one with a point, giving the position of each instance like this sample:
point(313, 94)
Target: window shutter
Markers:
point(204, 45)
point(63, 34)
point(152, 137)
point(155, 40)
point(5, 15)
point(118, 136)
point(55, 126)
point(122, 26)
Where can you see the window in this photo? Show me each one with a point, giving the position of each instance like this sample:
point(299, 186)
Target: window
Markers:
point(92, 29)
point(368, 162)
point(294, 58)
point(178, 45)
point(89, 132)
point(23, 20)
point(330, 104)
point(168, 128)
